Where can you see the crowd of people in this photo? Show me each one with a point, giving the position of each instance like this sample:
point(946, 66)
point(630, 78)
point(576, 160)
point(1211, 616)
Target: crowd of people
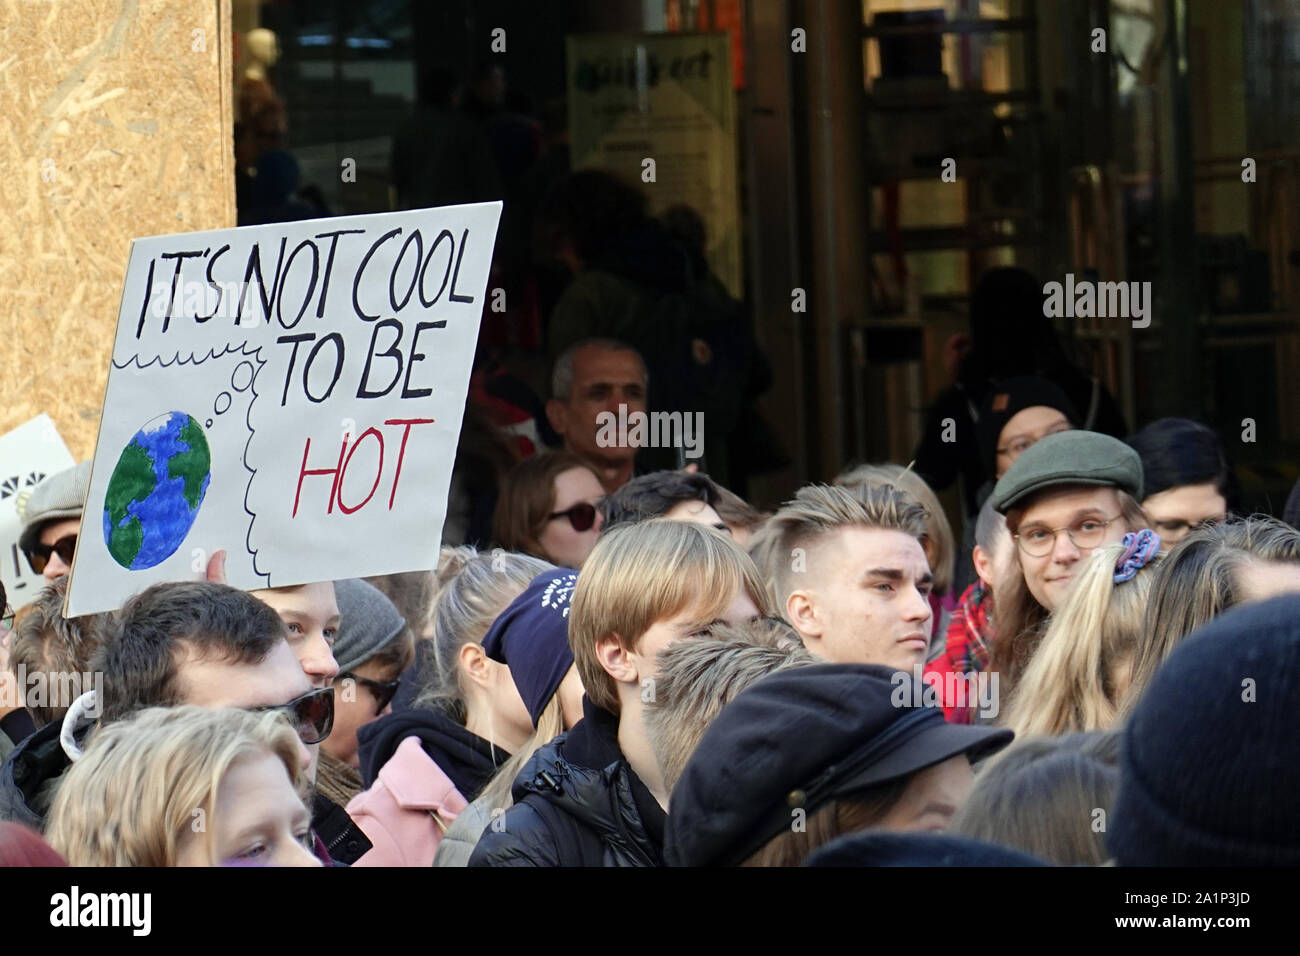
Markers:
point(639, 668)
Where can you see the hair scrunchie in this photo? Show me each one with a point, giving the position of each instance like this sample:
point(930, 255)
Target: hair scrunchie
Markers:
point(1139, 549)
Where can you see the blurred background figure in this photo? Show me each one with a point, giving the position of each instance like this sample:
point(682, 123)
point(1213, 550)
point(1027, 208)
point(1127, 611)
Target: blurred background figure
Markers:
point(1009, 337)
point(1187, 478)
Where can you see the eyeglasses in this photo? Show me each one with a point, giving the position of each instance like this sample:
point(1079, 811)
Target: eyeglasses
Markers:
point(39, 556)
point(7, 619)
point(1085, 534)
point(312, 714)
point(1021, 445)
point(581, 516)
point(383, 692)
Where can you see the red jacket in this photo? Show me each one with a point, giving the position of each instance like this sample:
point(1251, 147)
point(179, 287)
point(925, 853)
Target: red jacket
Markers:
point(966, 651)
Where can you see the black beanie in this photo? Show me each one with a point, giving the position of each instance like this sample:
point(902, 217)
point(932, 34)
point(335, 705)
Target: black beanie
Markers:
point(1007, 399)
point(1211, 759)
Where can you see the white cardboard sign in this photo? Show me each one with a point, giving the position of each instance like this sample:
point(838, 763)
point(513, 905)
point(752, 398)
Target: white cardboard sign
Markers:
point(289, 393)
point(31, 452)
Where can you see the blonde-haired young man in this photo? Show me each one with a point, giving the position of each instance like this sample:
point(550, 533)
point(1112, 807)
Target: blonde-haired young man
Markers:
point(595, 795)
point(851, 576)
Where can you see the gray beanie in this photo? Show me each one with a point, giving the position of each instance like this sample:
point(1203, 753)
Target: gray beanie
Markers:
point(368, 621)
point(61, 495)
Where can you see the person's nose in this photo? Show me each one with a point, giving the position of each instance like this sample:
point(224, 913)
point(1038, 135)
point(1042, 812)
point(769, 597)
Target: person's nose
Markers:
point(296, 854)
point(1064, 550)
point(55, 568)
point(918, 609)
point(318, 662)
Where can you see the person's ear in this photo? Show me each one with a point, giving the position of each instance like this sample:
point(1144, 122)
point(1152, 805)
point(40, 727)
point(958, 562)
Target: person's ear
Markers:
point(618, 662)
point(983, 566)
point(557, 413)
point(801, 611)
point(475, 665)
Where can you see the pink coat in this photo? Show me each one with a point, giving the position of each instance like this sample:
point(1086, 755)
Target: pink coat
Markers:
point(407, 810)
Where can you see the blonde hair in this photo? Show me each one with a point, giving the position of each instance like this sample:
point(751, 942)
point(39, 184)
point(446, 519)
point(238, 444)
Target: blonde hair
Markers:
point(1200, 580)
point(763, 550)
point(1041, 795)
point(1070, 683)
point(699, 675)
point(475, 587)
point(131, 798)
point(937, 541)
point(646, 572)
point(550, 724)
point(1019, 620)
point(817, 511)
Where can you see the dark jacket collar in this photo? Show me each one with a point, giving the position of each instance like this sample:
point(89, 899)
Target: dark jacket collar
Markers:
point(466, 758)
point(584, 773)
point(337, 835)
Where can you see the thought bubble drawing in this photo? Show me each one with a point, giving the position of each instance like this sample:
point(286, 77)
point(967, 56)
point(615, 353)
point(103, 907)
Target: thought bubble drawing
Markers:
point(156, 490)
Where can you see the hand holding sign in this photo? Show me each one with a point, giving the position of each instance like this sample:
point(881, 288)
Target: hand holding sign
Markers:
point(237, 354)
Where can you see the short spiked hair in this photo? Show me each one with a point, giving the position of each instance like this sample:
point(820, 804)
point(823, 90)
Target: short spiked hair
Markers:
point(818, 511)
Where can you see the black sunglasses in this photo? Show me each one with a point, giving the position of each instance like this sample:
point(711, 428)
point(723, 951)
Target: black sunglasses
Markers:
point(312, 714)
point(581, 516)
point(39, 556)
point(383, 692)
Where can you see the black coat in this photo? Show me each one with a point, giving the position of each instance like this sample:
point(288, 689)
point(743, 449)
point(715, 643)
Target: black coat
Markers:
point(577, 803)
point(30, 776)
point(344, 841)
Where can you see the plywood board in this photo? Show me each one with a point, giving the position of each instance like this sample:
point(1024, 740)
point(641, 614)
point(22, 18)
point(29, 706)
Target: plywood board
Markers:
point(115, 123)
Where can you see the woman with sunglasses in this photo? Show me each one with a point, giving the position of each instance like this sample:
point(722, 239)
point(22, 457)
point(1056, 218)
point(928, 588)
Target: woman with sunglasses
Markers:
point(137, 793)
point(547, 508)
point(373, 647)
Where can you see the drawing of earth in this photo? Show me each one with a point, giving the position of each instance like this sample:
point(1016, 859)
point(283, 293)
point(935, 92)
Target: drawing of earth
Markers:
point(156, 490)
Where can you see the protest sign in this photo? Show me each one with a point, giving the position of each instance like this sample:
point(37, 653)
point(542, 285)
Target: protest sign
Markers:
point(289, 393)
point(31, 452)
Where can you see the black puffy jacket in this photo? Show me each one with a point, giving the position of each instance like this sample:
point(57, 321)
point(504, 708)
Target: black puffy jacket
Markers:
point(577, 803)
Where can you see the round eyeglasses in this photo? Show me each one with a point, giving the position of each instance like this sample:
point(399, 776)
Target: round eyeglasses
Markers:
point(1085, 534)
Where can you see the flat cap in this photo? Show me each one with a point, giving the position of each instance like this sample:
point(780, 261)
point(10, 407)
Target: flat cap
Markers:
point(61, 495)
point(1070, 458)
point(797, 739)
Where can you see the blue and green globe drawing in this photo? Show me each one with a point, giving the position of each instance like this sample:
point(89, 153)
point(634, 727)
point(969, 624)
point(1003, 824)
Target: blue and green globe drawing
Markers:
point(156, 490)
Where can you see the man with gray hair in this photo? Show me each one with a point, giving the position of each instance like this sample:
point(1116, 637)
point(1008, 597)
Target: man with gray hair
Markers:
point(851, 575)
point(591, 377)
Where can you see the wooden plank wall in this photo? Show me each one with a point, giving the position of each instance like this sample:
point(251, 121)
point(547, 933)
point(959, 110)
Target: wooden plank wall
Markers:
point(115, 122)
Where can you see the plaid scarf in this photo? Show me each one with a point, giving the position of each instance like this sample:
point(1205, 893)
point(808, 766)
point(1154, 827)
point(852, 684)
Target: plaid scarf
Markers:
point(971, 630)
